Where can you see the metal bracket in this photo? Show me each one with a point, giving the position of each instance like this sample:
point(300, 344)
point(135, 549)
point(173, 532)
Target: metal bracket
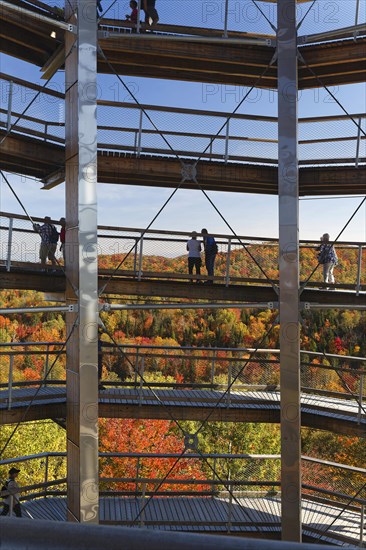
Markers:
point(105, 307)
point(189, 172)
point(73, 308)
point(191, 442)
point(103, 34)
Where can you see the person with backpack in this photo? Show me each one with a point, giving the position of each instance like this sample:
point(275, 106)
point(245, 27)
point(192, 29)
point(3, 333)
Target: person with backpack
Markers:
point(12, 499)
point(327, 257)
point(211, 249)
point(49, 239)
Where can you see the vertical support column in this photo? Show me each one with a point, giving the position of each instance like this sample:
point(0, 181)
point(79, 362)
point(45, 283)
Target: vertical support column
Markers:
point(81, 263)
point(289, 271)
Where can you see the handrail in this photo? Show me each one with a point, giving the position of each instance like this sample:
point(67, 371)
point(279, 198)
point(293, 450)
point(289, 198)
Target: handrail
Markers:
point(234, 456)
point(248, 239)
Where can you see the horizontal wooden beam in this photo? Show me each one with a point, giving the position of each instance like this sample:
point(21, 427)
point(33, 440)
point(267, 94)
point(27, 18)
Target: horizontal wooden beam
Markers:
point(30, 278)
point(44, 158)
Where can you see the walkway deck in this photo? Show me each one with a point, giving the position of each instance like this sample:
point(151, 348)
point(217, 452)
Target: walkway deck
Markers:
point(162, 56)
point(318, 411)
point(27, 276)
point(257, 516)
point(45, 159)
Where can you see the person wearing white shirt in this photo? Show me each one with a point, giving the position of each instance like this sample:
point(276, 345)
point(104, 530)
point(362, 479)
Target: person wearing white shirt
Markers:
point(194, 255)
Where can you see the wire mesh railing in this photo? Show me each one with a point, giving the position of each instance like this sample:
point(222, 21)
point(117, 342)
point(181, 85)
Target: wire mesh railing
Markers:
point(220, 17)
point(125, 127)
point(333, 494)
point(144, 368)
point(162, 255)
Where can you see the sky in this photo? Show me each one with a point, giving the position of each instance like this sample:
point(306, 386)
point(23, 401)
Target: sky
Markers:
point(248, 214)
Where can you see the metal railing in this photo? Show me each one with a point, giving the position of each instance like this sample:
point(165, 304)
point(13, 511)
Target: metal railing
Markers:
point(157, 254)
point(145, 367)
point(329, 490)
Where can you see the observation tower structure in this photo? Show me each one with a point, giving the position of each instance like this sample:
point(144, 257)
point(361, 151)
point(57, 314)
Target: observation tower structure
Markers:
point(84, 45)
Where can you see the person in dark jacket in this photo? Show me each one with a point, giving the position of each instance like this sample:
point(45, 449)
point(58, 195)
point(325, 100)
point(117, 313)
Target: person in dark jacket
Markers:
point(13, 498)
point(211, 249)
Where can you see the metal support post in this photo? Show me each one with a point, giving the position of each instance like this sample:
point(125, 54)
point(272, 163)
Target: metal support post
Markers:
point(82, 271)
point(10, 381)
point(10, 103)
point(10, 242)
point(359, 265)
point(227, 275)
point(139, 140)
point(360, 407)
point(213, 476)
point(227, 141)
point(140, 258)
point(45, 131)
point(288, 187)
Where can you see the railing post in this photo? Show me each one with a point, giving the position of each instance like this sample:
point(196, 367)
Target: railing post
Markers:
point(213, 476)
point(137, 364)
point(360, 408)
point(142, 369)
point(140, 133)
point(226, 18)
point(357, 157)
point(227, 275)
point(359, 265)
point(138, 16)
point(11, 505)
point(140, 257)
point(135, 257)
point(46, 474)
point(137, 475)
point(46, 363)
point(10, 381)
point(362, 524)
point(45, 131)
point(211, 142)
point(10, 101)
point(227, 141)
point(10, 242)
point(213, 362)
point(229, 513)
point(229, 376)
point(142, 515)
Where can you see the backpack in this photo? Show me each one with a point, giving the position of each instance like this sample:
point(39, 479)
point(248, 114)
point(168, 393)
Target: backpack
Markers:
point(54, 234)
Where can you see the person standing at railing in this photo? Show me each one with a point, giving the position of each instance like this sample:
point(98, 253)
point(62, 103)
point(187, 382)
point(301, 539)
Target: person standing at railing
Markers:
point(211, 250)
point(194, 255)
point(327, 257)
point(49, 238)
point(13, 498)
point(63, 237)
